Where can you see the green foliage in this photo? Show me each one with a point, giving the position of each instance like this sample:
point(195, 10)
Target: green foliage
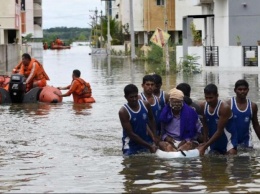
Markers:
point(116, 31)
point(189, 64)
point(27, 38)
point(195, 33)
point(155, 54)
point(238, 38)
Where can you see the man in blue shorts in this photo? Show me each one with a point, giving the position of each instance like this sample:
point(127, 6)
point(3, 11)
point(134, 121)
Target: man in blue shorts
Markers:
point(134, 116)
point(218, 124)
point(244, 111)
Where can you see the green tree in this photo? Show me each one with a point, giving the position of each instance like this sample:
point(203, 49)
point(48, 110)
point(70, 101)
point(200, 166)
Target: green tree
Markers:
point(116, 31)
point(82, 37)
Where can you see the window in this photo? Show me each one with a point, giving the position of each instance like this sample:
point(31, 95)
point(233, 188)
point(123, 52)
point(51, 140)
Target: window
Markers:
point(23, 5)
point(159, 2)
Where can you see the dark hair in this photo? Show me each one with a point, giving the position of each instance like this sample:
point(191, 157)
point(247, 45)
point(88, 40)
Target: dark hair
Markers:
point(76, 73)
point(185, 88)
point(241, 82)
point(129, 89)
point(211, 89)
point(26, 56)
point(157, 79)
point(147, 78)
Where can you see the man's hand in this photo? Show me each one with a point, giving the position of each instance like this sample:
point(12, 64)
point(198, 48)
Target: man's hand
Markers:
point(56, 93)
point(201, 149)
point(156, 139)
point(153, 148)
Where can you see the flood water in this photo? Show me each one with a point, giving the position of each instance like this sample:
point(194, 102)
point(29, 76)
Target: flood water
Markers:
point(67, 148)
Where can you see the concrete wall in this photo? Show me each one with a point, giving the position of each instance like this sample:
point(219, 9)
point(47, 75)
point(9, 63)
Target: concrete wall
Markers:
point(29, 17)
point(244, 20)
point(184, 8)
point(36, 50)
point(230, 58)
point(7, 14)
point(9, 57)
point(221, 23)
point(124, 12)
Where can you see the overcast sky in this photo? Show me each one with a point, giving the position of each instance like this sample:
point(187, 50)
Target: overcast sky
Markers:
point(70, 13)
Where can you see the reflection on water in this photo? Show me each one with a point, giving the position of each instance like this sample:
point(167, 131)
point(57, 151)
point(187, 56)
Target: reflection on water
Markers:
point(77, 148)
point(82, 109)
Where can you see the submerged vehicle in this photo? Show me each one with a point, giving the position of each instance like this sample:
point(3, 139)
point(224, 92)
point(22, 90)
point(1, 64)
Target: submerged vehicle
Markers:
point(13, 90)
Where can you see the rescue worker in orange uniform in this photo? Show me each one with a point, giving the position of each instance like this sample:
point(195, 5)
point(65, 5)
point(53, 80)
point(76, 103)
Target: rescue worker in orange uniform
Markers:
point(80, 89)
point(58, 42)
point(33, 72)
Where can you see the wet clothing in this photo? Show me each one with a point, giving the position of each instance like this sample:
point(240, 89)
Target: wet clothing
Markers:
point(34, 74)
point(139, 120)
point(156, 109)
point(162, 100)
point(185, 127)
point(228, 139)
point(243, 119)
point(80, 89)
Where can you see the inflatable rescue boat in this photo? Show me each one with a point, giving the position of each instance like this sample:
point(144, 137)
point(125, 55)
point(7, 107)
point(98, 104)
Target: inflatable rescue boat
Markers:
point(179, 154)
point(13, 90)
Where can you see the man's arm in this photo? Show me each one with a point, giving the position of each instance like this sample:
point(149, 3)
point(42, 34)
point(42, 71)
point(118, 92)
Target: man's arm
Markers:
point(34, 70)
point(224, 115)
point(152, 124)
point(71, 88)
point(124, 119)
point(255, 122)
point(203, 122)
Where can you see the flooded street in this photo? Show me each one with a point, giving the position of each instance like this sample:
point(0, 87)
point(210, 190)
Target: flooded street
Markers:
point(67, 148)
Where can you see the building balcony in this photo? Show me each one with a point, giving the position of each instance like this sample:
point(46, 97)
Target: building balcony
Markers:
point(38, 2)
point(201, 2)
point(37, 13)
point(38, 21)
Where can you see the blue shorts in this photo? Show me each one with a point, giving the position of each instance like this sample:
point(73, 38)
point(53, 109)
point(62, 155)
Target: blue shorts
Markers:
point(129, 152)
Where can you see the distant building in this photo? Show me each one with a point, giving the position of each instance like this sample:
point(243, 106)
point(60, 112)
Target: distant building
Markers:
point(19, 18)
point(234, 20)
point(31, 23)
point(31, 19)
point(150, 14)
point(10, 22)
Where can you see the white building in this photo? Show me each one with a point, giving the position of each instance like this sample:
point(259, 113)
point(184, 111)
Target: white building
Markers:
point(10, 22)
point(232, 33)
point(31, 23)
point(31, 15)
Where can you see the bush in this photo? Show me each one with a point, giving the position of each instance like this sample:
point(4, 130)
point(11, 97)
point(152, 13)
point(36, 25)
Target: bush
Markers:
point(189, 64)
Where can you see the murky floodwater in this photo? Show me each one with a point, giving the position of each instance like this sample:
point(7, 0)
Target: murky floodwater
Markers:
point(77, 148)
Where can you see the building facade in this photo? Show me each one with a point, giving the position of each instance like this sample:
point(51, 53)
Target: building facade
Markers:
point(149, 15)
point(234, 21)
point(10, 22)
point(31, 19)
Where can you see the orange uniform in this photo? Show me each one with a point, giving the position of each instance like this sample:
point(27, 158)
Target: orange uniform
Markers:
point(34, 74)
point(80, 90)
point(58, 42)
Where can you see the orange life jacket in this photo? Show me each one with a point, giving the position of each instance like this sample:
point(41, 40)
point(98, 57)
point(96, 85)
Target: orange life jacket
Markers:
point(85, 89)
point(34, 71)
